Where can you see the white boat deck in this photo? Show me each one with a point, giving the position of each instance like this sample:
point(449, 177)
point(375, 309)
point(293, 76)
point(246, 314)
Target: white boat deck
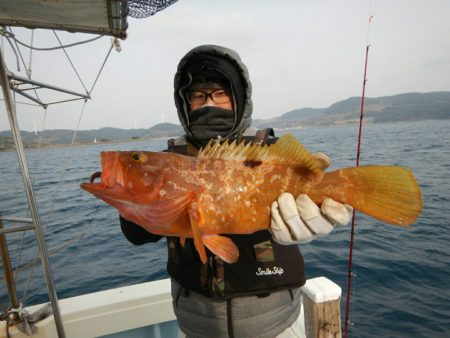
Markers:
point(136, 311)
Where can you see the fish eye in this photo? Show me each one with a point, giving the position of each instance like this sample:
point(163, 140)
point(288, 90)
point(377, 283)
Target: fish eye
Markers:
point(139, 157)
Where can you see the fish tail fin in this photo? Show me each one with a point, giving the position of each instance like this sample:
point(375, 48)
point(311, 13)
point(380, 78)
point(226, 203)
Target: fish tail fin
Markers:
point(388, 193)
point(223, 247)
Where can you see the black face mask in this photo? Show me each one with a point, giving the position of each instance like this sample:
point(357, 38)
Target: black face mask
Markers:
point(209, 122)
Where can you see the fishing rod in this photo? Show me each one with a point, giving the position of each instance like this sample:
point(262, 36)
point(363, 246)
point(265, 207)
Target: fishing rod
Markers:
point(358, 154)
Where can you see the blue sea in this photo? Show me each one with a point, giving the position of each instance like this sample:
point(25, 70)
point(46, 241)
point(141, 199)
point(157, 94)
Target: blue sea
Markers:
point(401, 281)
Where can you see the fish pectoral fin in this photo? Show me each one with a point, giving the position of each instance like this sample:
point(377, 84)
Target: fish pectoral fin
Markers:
point(223, 247)
point(165, 212)
point(196, 218)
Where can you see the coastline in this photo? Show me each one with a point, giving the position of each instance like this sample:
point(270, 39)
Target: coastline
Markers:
point(34, 146)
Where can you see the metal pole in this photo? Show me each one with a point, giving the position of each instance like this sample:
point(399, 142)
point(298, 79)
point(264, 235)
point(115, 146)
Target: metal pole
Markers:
point(10, 109)
point(8, 270)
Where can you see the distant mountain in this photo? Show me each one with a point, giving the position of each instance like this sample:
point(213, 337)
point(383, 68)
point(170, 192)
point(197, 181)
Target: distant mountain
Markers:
point(402, 107)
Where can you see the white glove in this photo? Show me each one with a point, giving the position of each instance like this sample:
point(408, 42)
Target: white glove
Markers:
point(301, 220)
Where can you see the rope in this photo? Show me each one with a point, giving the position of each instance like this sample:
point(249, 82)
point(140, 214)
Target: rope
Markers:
point(11, 35)
point(358, 154)
point(27, 69)
point(25, 103)
point(113, 44)
point(31, 56)
point(21, 57)
point(25, 321)
point(70, 61)
point(14, 51)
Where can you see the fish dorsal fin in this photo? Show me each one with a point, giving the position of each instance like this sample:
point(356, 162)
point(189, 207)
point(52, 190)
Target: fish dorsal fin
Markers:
point(287, 150)
point(290, 151)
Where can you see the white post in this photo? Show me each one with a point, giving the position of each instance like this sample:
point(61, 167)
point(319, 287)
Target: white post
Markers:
point(321, 306)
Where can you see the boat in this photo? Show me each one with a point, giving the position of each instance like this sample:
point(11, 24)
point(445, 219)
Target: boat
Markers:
point(140, 310)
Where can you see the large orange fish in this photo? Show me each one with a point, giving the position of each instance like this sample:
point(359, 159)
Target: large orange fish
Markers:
point(228, 189)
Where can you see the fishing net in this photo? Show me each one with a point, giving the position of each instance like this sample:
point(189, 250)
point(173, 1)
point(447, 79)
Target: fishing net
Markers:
point(144, 8)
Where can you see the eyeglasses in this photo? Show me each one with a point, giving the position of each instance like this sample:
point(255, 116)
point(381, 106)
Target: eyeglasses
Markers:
point(217, 96)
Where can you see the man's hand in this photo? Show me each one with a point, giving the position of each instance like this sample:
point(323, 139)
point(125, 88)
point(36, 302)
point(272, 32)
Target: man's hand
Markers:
point(301, 220)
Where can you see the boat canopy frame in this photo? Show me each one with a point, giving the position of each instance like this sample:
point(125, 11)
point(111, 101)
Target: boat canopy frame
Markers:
point(102, 17)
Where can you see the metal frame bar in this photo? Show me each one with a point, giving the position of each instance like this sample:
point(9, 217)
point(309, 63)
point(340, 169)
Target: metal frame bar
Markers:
point(16, 81)
point(11, 112)
point(24, 80)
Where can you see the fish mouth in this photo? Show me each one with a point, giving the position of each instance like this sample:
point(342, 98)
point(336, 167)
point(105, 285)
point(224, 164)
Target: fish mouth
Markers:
point(93, 186)
point(111, 175)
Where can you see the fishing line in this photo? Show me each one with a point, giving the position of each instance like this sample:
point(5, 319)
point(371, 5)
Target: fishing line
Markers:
point(52, 251)
point(358, 153)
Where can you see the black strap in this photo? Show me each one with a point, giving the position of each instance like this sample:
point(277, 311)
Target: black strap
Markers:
point(292, 295)
point(171, 145)
point(229, 319)
point(177, 297)
point(262, 135)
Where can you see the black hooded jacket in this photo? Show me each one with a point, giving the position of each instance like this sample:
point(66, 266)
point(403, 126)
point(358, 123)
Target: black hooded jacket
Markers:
point(226, 63)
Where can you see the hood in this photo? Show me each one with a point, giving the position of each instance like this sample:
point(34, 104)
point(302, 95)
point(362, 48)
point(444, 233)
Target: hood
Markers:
point(221, 60)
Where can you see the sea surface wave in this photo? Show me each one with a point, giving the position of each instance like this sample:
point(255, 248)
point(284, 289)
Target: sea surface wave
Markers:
point(402, 274)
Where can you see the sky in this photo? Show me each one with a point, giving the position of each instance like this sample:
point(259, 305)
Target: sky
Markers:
point(300, 53)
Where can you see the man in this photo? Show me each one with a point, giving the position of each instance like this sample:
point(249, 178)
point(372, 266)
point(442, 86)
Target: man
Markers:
point(259, 295)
